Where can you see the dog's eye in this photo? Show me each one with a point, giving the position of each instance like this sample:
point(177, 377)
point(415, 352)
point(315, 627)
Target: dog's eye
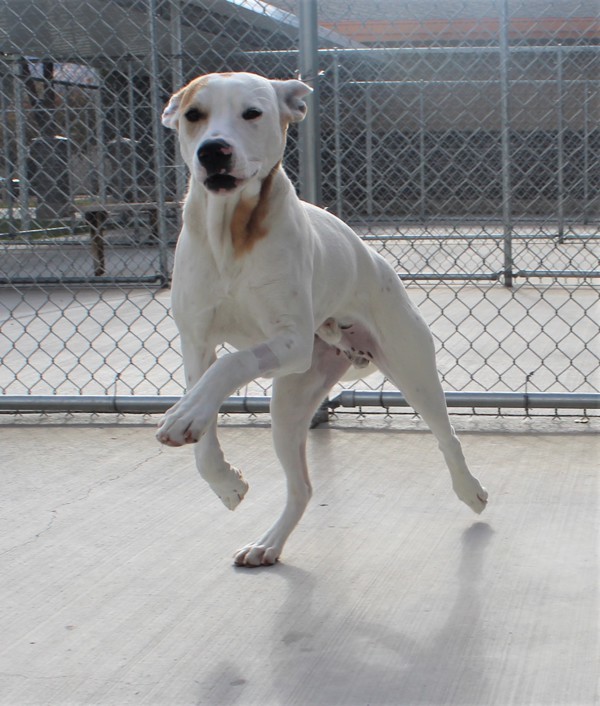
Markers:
point(251, 114)
point(193, 115)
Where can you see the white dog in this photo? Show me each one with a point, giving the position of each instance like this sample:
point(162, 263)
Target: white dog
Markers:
point(290, 286)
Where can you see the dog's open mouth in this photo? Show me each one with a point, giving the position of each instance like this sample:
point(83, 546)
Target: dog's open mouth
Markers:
point(221, 182)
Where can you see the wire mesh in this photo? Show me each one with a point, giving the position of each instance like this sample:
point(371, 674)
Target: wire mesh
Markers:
point(460, 140)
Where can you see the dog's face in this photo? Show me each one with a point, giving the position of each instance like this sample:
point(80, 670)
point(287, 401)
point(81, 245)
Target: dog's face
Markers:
point(232, 127)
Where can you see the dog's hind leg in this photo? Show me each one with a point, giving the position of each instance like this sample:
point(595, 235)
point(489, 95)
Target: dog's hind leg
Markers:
point(226, 481)
point(295, 400)
point(406, 355)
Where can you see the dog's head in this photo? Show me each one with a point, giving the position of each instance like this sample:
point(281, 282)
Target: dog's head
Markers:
point(232, 127)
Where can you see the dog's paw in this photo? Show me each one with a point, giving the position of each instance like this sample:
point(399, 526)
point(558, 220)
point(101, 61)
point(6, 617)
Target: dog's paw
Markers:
point(258, 554)
point(230, 487)
point(472, 493)
point(180, 426)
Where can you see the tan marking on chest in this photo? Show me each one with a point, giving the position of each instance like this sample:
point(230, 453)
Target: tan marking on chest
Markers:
point(248, 223)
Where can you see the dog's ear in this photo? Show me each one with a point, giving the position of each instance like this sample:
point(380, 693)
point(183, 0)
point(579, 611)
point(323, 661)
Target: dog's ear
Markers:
point(171, 111)
point(290, 94)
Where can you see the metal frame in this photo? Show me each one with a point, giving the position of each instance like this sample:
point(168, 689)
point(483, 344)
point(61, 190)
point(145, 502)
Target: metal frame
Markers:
point(162, 55)
point(347, 399)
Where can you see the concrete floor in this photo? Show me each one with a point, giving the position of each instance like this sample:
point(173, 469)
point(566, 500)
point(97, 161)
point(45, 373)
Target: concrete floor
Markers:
point(117, 586)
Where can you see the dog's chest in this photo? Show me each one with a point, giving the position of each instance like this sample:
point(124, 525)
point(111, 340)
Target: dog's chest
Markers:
point(212, 304)
point(234, 322)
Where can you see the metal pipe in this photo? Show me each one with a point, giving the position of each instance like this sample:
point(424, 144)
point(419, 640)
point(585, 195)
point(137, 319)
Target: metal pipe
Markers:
point(570, 274)
point(155, 404)
point(460, 276)
point(472, 82)
point(308, 65)
point(156, 279)
point(100, 165)
point(430, 51)
point(134, 404)
point(505, 142)
point(22, 149)
point(71, 178)
point(132, 130)
point(369, 148)
point(495, 276)
point(513, 400)
point(422, 159)
point(118, 404)
point(177, 81)
point(159, 144)
point(586, 153)
point(427, 238)
point(560, 146)
point(93, 404)
point(7, 138)
point(583, 237)
point(338, 148)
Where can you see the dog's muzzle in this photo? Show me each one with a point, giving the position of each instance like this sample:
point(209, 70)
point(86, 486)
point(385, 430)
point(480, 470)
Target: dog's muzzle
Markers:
point(216, 157)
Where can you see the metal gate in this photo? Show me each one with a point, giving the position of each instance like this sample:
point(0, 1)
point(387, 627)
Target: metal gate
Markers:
point(461, 142)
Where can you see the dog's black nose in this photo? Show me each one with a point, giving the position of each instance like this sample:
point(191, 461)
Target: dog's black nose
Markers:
point(215, 156)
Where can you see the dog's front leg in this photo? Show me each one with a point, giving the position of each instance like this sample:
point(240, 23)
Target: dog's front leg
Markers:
point(225, 480)
point(188, 420)
point(295, 400)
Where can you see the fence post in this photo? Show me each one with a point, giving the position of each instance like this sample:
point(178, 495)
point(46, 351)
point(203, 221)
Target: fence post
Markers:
point(505, 139)
point(6, 137)
point(177, 75)
point(21, 139)
point(159, 145)
point(100, 144)
point(586, 152)
point(422, 157)
point(131, 129)
point(310, 153)
point(560, 146)
point(369, 149)
point(338, 146)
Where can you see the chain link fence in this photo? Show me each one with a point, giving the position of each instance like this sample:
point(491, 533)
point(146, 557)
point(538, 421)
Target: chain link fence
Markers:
point(461, 140)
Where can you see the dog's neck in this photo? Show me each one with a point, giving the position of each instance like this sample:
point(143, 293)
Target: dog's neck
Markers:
point(232, 224)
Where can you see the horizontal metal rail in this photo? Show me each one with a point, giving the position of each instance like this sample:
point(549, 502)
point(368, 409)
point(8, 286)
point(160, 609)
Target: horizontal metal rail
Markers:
point(496, 276)
point(157, 279)
point(33, 236)
point(498, 400)
point(430, 51)
point(432, 238)
point(472, 82)
point(349, 399)
point(467, 277)
point(584, 274)
point(118, 404)
point(425, 237)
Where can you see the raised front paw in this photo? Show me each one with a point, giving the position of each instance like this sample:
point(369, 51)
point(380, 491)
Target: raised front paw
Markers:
point(472, 493)
point(181, 425)
point(230, 487)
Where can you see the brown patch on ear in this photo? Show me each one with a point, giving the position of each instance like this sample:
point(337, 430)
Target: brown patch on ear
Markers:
point(194, 86)
point(190, 90)
point(248, 220)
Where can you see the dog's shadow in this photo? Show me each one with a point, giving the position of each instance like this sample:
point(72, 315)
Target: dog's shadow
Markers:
point(447, 667)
